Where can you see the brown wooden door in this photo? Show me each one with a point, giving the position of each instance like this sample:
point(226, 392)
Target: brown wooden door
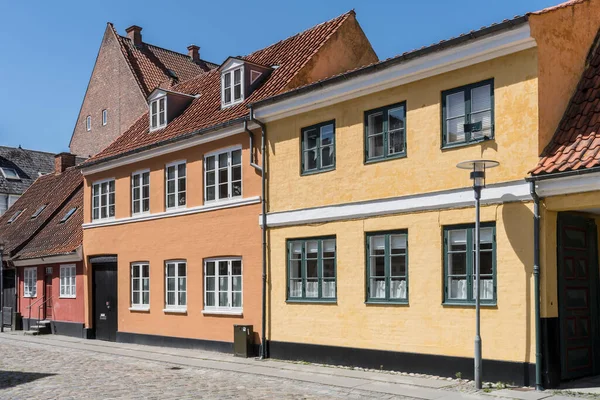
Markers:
point(48, 293)
point(577, 283)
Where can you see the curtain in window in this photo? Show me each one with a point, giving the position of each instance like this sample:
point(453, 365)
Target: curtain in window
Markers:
point(458, 289)
point(295, 289)
point(481, 110)
point(398, 289)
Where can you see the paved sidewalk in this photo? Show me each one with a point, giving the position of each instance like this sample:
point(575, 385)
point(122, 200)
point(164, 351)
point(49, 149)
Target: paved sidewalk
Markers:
point(342, 382)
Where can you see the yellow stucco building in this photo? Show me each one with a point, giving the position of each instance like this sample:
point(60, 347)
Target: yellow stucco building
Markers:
point(370, 224)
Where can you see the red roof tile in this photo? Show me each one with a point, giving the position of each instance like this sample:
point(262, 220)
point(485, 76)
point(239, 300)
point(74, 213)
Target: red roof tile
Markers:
point(576, 143)
point(151, 64)
point(54, 191)
point(289, 55)
point(58, 238)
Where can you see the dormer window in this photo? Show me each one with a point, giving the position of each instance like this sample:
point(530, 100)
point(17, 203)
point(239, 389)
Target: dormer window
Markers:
point(233, 92)
point(10, 173)
point(158, 113)
point(239, 78)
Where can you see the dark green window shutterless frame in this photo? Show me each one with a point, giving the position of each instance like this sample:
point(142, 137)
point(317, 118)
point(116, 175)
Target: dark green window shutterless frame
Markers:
point(387, 267)
point(385, 132)
point(318, 148)
point(459, 263)
point(311, 269)
point(468, 114)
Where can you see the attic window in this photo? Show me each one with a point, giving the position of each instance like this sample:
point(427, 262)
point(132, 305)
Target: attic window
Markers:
point(158, 113)
point(38, 211)
point(10, 173)
point(172, 74)
point(68, 215)
point(232, 87)
point(15, 216)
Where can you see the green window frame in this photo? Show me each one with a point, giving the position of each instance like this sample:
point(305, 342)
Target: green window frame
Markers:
point(468, 114)
point(459, 271)
point(385, 138)
point(387, 267)
point(312, 269)
point(317, 151)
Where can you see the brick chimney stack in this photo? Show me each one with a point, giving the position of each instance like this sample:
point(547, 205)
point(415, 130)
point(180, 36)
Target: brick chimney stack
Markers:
point(134, 33)
point(62, 161)
point(194, 52)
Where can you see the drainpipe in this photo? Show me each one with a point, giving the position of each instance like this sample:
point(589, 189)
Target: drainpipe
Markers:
point(252, 160)
point(263, 152)
point(536, 285)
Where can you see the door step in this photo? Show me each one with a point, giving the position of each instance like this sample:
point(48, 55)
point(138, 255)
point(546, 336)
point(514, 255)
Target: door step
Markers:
point(41, 328)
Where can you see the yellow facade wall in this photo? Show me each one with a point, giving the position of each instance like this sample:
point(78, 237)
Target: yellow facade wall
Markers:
point(425, 325)
point(427, 167)
point(219, 233)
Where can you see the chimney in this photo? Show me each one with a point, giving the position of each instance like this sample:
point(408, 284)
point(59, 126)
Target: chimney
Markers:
point(62, 161)
point(194, 52)
point(134, 33)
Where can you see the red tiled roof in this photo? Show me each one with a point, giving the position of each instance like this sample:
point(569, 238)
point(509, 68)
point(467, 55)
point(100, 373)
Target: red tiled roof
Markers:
point(58, 238)
point(289, 55)
point(576, 143)
point(151, 64)
point(53, 190)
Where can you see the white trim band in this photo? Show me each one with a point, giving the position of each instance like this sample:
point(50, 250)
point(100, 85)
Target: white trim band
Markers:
point(176, 212)
point(500, 193)
point(166, 149)
point(569, 184)
point(238, 313)
point(439, 62)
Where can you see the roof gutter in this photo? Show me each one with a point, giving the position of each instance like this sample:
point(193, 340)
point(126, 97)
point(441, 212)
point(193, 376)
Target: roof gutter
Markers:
point(558, 175)
point(74, 256)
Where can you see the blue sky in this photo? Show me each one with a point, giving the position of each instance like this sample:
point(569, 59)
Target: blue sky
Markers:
point(48, 48)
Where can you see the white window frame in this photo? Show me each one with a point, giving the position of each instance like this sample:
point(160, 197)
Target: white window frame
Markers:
point(16, 176)
point(175, 307)
point(158, 113)
point(104, 117)
point(216, 308)
point(140, 189)
point(176, 165)
point(15, 216)
point(68, 284)
point(231, 74)
point(216, 154)
point(29, 287)
point(99, 196)
point(88, 123)
point(140, 305)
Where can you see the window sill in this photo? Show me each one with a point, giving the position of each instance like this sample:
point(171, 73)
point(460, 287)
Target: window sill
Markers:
point(30, 296)
point(67, 297)
point(468, 304)
point(469, 143)
point(175, 310)
point(312, 301)
point(232, 312)
point(139, 309)
point(317, 171)
point(386, 302)
point(383, 159)
point(98, 220)
point(229, 200)
point(140, 214)
point(170, 209)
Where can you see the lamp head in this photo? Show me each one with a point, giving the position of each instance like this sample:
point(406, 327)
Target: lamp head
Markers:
point(478, 168)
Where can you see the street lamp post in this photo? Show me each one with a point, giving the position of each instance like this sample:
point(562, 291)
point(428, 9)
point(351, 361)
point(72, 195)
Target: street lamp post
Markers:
point(477, 168)
point(1, 289)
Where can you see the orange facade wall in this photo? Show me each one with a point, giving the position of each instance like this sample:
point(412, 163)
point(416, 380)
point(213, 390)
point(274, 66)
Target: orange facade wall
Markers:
point(225, 232)
point(63, 309)
point(564, 36)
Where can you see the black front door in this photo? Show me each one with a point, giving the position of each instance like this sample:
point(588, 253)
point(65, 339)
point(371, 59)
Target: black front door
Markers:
point(577, 285)
point(105, 300)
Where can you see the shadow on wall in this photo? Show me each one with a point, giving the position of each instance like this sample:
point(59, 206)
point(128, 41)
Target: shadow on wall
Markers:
point(518, 226)
point(10, 379)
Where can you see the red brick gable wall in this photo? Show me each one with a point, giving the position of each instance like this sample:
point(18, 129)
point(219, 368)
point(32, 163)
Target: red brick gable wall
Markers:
point(112, 87)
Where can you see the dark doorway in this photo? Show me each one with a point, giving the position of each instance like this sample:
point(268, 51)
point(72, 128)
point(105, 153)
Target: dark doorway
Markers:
point(105, 300)
point(48, 293)
point(577, 288)
point(10, 294)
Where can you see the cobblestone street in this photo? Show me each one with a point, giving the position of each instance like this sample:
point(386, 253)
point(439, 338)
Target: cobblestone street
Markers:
point(38, 371)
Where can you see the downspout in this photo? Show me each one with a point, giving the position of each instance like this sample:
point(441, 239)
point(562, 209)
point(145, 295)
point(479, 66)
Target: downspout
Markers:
point(263, 152)
point(536, 285)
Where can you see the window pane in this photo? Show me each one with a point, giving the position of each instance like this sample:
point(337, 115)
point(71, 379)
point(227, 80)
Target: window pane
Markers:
point(210, 178)
point(210, 299)
point(171, 298)
point(377, 288)
point(182, 299)
point(136, 298)
point(236, 173)
point(398, 244)
point(210, 193)
point(398, 266)
point(136, 271)
point(376, 146)
point(327, 156)
point(457, 264)
point(181, 170)
point(486, 263)
point(237, 92)
point(396, 119)
point(135, 284)
point(236, 267)
point(171, 269)
point(210, 283)
point(329, 268)
point(237, 76)
point(458, 240)
point(398, 288)
point(326, 135)
point(171, 172)
point(310, 160)
point(210, 163)
point(146, 271)
point(310, 139)
point(378, 266)
point(223, 268)
point(455, 105)
point(375, 122)
point(145, 284)
point(485, 118)
point(210, 268)
point(223, 160)
point(396, 142)
point(481, 99)
point(171, 284)
point(146, 298)
point(377, 245)
point(455, 131)
point(237, 299)
point(223, 299)
point(236, 157)
point(171, 200)
point(311, 269)
point(181, 269)
point(236, 283)
point(457, 288)
point(223, 191)
point(181, 198)
point(227, 95)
